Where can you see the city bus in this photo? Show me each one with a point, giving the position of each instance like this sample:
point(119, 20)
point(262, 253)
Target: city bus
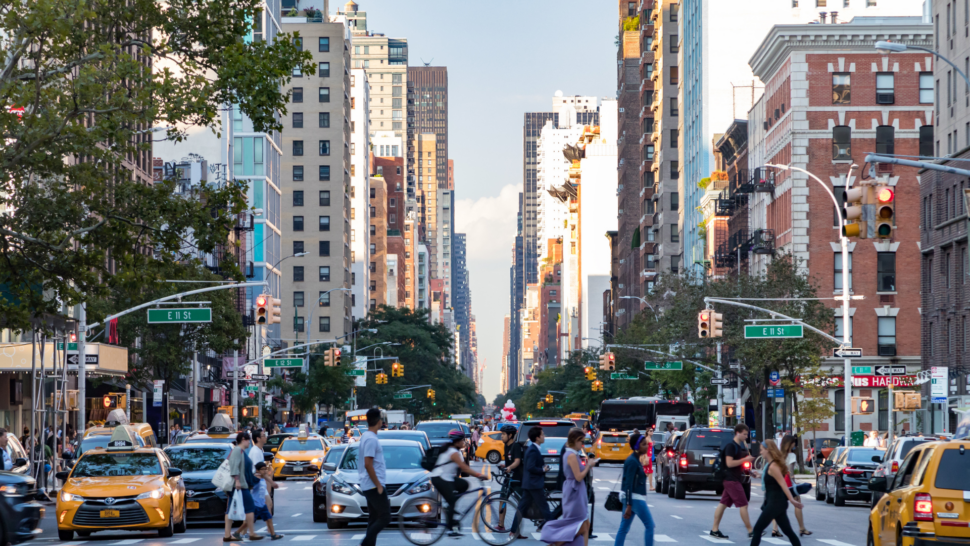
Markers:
point(643, 413)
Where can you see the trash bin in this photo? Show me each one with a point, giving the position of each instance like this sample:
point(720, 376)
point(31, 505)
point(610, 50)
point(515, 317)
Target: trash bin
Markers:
point(857, 438)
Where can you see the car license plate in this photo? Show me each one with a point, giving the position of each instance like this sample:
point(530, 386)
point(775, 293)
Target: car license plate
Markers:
point(297, 469)
point(110, 514)
point(193, 505)
point(709, 461)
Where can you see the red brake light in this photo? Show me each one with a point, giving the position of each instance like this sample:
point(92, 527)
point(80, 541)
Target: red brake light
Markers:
point(548, 424)
point(895, 467)
point(683, 461)
point(746, 465)
point(848, 470)
point(552, 451)
point(923, 507)
point(670, 453)
point(715, 430)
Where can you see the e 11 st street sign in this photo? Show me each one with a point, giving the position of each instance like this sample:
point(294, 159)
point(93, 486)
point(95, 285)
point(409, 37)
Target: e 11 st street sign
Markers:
point(676, 365)
point(179, 315)
point(283, 362)
point(861, 370)
point(70, 346)
point(774, 331)
point(847, 352)
point(622, 376)
point(402, 395)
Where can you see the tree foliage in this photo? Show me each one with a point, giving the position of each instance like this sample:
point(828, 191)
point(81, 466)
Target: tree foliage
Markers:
point(83, 85)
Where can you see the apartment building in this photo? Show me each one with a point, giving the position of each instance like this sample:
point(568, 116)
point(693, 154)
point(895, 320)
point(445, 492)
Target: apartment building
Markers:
point(360, 160)
point(377, 249)
point(316, 186)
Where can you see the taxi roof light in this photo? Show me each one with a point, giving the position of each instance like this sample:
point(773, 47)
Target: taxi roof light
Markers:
point(116, 417)
point(121, 440)
point(221, 424)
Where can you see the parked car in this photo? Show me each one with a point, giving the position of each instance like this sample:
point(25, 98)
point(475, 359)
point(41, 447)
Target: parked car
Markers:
point(894, 455)
point(825, 446)
point(664, 456)
point(20, 516)
point(330, 462)
point(847, 477)
point(204, 502)
point(926, 501)
point(821, 470)
point(696, 453)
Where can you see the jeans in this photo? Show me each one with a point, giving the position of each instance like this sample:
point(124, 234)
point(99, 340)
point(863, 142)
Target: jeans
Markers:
point(530, 496)
point(450, 491)
point(379, 515)
point(777, 511)
point(641, 511)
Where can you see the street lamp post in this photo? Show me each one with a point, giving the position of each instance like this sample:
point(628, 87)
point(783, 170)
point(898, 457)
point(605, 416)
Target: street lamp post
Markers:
point(643, 301)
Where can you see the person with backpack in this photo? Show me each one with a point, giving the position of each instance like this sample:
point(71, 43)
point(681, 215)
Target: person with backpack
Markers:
point(777, 496)
point(444, 475)
point(734, 455)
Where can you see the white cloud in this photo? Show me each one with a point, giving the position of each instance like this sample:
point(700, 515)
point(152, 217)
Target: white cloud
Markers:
point(489, 224)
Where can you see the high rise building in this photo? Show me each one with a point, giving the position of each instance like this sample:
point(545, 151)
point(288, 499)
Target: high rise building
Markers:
point(316, 211)
point(461, 298)
point(377, 250)
point(428, 111)
point(360, 233)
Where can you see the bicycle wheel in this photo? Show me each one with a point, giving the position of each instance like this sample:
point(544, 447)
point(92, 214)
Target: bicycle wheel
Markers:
point(422, 521)
point(759, 463)
point(495, 515)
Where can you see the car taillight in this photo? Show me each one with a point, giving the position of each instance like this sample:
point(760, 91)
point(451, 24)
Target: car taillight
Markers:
point(670, 453)
point(848, 470)
point(895, 467)
point(599, 443)
point(923, 507)
point(683, 461)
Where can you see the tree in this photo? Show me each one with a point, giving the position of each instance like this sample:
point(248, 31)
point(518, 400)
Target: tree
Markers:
point(84, 87)
point(815, 408)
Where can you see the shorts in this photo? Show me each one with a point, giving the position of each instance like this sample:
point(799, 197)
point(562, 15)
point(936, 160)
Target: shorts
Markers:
point(247, 496)
point(733, 495)
point(262, 513)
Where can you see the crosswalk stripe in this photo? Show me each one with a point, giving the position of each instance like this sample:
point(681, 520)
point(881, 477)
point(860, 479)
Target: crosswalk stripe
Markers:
point(774, 540)
point(360, 536)
point(650, 505)
point(261, 529)
point(537, 536)
point(663, 538)
point(415, 536)
point(303, 538)
point(603, 488)
point(833, 542)
point(283, 488)
point(298, 514)
point(72, 543)
point(604, 536)
point(127, 541)
point(676, 517)
point(184, 541)
point(709, 538)
point(308, 488)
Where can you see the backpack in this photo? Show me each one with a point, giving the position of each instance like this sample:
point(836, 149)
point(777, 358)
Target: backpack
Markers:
point(430, 460)
point(719, 471)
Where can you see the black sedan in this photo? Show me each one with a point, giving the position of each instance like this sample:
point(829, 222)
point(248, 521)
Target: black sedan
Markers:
point(19, 514)
point(204, 502)
point(847, 477)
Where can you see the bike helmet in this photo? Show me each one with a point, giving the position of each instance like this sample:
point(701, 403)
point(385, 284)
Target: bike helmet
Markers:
point(456, 435)
point(510, 430)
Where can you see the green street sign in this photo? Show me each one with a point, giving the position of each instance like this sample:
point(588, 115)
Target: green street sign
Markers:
point(774, 331)
point(402, 395)
point(676, 365)
point(251, 388)
point(283, 362)
point(861, 370)
point(622, 376)
point(358, 373)
point(70, 346)
point(179, 315)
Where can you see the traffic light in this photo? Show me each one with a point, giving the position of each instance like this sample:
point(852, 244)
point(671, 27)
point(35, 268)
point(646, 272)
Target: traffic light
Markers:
point(549, 399)
point(729, 410)
point(704, 323)
point(275, 311)
point(331, 357)
point(73, 337)
point(539, 405)
point(717, 324)
point(250, 412)
point(590, 373)
point(597, 385)
point(262, 309)
point(855, 199)
point(885, 211)
point(608, 362)
point(382, 378)
point(397, 370)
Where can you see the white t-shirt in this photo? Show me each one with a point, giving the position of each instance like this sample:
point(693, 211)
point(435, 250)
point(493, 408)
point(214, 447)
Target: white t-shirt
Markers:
point(445, 468)
point(370, 447)
point(255, 455)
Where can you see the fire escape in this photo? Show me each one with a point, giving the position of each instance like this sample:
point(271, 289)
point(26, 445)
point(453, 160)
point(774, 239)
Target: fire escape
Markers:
point(741, 240)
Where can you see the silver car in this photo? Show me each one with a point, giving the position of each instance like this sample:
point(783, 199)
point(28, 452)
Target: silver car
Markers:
point(406, 479)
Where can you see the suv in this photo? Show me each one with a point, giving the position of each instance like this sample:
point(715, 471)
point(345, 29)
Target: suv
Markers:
point(665, 454)
point(898, 449)
point(552, 428)
point(926, 501)
point(692, 466)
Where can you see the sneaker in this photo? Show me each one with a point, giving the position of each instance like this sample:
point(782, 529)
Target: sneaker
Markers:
point(751, 534)
point(277, 536)
point(455, 534)
point(718, 534)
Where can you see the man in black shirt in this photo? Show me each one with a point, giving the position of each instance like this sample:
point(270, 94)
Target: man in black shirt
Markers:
point(735, 455)
point(514, 453)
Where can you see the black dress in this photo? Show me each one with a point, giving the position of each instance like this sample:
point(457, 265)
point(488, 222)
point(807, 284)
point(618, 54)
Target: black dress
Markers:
point(775, 508)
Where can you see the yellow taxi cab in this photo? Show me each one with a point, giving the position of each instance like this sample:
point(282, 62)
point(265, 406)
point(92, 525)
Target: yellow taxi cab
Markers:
point(121, 487)
point(928, 500)
point(300, 456)
point(490, 447)
point(98, 436)
point(220, 431)
point(612, 447)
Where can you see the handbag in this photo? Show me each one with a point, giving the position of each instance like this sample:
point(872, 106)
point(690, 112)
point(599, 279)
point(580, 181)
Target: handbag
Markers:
point(237, 511)
point(613, 502)
point(222, 479)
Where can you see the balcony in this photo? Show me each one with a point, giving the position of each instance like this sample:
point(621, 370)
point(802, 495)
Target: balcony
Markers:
point(724, 207)
point(647, 220)
point(763, 241)
point(649, 248)
point(724, 257)
point(647, 192)
point(764, 180)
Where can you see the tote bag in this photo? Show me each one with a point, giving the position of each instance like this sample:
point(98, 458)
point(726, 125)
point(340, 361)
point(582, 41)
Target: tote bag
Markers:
point(222, 479)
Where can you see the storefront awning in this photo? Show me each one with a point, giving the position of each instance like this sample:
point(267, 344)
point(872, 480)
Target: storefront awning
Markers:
point(102, 359)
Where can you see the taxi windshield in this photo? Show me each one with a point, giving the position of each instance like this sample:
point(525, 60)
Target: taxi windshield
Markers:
point(197, 458)
point(291, 444)
point(117, 464)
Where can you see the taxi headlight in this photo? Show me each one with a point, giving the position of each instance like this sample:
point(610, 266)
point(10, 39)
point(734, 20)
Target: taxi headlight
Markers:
point(420, 487)
point(279, 460)
point(154, 494)
point(68, 497)
point(343, 488)
point(316, 460)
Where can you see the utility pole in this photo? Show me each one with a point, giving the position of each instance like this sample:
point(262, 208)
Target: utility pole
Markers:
point(235, 389)
point(82, 334)
point(195, 390)
point(720, 389)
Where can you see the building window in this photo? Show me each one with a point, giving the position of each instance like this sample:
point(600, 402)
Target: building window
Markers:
point(885, 88)
point(297, 147)
point(674, 109)
point(373, 304)
point(674, 137)
point(674, 234)
point(926, 88)
point(297, 95)
point(297, 247)
point(926, 140)
point(886, 272)
point(298, 173)
point(324, 324)
point(298, 199)
point(324, 70)
point(838, 272)
point(674, 201)
point(649, 151)
point(297, 120)
point(885, 140)
point(373, 249)
point(298, 324)
point(297, 299)
point(297, 223)
point(887, 336)
point(674, 9)
point(373, 228)
point(298, 273)
point(324, 223)
point(842, 142)
point(839, 397)
point(675, 170)
point(631, 9)
point(324, 248)
point(324, 94)
point(323, 119)
point(324, 173)
point(672, 71)
point(838, 329)
point(324, 273)
point(674, 43)
point(324, 299)
point(794, 3)
point(841, 89)
point(373, 286)
point(883, 409)
point(323, 45)
point(324, 198)
point(324, 146)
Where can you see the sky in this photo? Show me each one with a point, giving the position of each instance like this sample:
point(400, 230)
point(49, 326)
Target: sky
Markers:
point(504, 58)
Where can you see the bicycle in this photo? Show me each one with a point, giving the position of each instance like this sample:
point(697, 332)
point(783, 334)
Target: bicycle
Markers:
point(507, 495)
point(422, 521)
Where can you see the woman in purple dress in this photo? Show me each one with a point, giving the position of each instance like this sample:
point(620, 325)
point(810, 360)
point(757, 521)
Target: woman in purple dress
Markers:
point(574, 522)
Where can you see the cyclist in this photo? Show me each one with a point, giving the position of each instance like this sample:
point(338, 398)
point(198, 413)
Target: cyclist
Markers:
point(446, 469)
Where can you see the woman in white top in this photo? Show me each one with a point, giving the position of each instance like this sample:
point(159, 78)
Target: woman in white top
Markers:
point(872, 440)
point(446, 469)
point(788, 446)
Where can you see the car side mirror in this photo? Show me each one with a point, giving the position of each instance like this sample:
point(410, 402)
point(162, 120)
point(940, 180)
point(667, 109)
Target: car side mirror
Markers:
point(329, 467)
point(827, 464)
point(62, 475)
point(21, 461)
point(268, 456)
point(174, 472)
point(877, 458)
point(878, 484)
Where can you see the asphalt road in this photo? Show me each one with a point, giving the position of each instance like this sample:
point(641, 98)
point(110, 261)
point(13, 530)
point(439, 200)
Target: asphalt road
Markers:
point(677, 521)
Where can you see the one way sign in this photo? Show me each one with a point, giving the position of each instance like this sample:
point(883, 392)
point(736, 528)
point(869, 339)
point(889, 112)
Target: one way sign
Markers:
point(890, 370)
point(847, 352)
point(72, 360)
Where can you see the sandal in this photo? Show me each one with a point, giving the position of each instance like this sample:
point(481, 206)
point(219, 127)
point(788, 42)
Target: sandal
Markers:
point(804, 532)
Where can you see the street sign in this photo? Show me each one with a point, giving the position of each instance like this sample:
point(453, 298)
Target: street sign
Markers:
point(774, 331)
point(716, 381)
point(283, 362)
point(179, 315)
point(402, 395)
point(847, 352)
point(774, 378)
point(619, 375)
point(157, 385)
point(70, 346)
point(861, 370)
point(72, 360)
point(259, 377)
point(776, 393)
point(890, 370)
point(940, 381)
point(664, 365)
point(356, 373)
